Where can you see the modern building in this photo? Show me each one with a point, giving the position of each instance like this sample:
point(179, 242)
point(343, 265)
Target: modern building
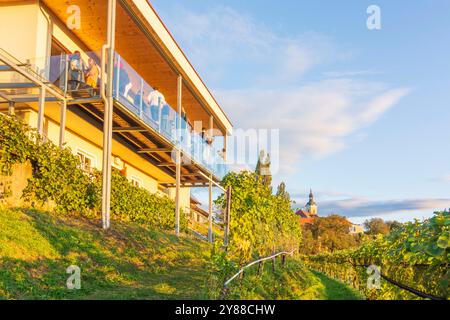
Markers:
point(309, 212)
point(107, 79)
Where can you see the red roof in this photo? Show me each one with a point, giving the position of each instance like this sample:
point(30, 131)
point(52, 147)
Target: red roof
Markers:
point(307, 220)
point(305, 216)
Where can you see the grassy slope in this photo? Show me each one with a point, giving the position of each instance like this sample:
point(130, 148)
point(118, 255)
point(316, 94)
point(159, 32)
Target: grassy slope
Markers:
point(293, 282)
point(129, 262)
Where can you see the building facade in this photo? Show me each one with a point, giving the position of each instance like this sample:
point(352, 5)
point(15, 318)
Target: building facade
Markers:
point(309, 212)
point(106, 79)
point(356, 229)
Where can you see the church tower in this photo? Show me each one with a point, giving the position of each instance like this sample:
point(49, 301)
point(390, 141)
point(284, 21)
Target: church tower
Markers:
point(311, 206)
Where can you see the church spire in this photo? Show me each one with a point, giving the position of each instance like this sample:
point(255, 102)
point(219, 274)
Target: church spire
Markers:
point(311, 206)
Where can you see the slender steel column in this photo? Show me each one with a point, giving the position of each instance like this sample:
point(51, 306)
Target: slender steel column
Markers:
point(62, 123)
point(103, 80)
point(141, 110)
point(178, 156)
point(210, 138)
point(40, 121)
point(108, 115)
point(210, 211)
point(227, 216)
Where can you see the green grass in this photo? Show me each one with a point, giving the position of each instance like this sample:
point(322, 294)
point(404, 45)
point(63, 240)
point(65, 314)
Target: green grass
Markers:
point(131, 261)
point(293, 282)
point(127, 262)
point(332, 289)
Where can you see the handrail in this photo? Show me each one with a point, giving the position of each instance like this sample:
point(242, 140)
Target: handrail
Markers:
point(10, 56)
point(255, 262)
point(29, 74)
point(192, 143)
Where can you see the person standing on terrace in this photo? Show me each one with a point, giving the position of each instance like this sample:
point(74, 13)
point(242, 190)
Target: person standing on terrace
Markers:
point(121, 79)
point(76, 67)
point(156, 101)
point(92, 74)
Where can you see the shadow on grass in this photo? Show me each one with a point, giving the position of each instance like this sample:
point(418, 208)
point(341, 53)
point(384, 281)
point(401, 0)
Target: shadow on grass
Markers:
point(129, 262)
point(336, 290)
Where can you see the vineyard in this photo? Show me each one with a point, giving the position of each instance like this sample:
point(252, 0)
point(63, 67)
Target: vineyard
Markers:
point(413, 262)
point(262, 222)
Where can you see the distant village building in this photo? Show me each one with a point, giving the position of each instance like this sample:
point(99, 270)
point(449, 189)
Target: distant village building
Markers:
point(356, 229)
point(309, 212)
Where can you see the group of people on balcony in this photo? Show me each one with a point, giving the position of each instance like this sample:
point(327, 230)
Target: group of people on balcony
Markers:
point(151, 105)
point(82, 75)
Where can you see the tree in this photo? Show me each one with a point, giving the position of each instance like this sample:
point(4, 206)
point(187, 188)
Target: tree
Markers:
point(328, 234)
point(262, 222)
point(310, 245)
point(394, 225)
point(376, 226)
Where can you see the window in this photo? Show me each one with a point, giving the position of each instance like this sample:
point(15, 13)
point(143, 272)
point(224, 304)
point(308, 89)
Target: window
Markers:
point(57, 65)
point(136, 182)
point(87, 161)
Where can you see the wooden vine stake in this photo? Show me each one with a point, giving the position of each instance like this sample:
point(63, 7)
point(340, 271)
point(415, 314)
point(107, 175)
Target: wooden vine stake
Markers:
point(227, 217)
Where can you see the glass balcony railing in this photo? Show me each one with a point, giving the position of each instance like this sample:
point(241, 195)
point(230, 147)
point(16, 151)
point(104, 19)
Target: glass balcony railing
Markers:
point(131, 90)
point(79, 75)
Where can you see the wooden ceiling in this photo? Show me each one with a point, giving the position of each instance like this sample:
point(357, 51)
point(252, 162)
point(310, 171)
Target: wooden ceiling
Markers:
point(135, 47)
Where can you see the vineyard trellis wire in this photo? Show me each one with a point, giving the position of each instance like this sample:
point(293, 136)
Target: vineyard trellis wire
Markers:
point(398, 284)
point(415, 261)
point(404, 286)
point(225, 286)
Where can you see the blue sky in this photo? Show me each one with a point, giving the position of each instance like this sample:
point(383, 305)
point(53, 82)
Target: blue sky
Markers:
point(363, 114)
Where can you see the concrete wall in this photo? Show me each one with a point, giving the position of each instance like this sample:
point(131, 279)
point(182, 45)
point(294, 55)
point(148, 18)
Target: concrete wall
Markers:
point(24, 32)
point(11, 187)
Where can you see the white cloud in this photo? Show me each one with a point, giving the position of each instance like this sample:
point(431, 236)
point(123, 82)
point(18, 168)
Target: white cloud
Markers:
point(442, 179)
point(221, 37)
point(362, 207)
point(315, 120)
point(346, 74)
point(358, 208)
point(265, 72)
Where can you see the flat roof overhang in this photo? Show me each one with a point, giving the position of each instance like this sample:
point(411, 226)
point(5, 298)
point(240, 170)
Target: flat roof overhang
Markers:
point(146, 44)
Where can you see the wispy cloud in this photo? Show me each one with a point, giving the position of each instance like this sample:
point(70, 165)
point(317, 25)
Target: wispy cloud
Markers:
point(323, 195)
point(442, 179)
point(361, 207)
point(351, 74)
point(315, 120)
point(220, 40)
point(259, 78)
